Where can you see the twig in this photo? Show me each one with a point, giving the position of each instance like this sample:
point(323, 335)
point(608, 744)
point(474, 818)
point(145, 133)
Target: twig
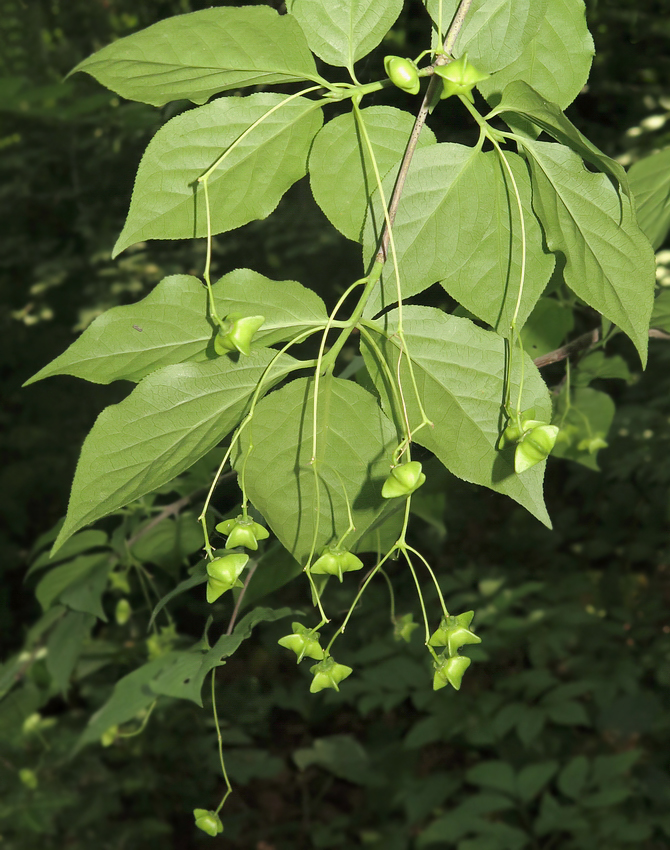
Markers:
point(170, 510)
point(435, 82)
point(583, 343)
point(236, 609)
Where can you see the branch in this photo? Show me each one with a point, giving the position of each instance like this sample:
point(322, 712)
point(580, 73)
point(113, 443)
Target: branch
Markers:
point(236, 609)
point(435, 83)
point(171, 510)
point(583, 343)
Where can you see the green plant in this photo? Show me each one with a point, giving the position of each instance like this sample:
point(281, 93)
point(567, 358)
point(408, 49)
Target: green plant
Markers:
point(326, 460)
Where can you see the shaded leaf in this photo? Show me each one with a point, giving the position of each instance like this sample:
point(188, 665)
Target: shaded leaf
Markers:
point(608, 261)
point(650, 182)
point(533, 778)
point(340, 755)
point(459, 223)
point(459, 370)
point(572, 778)
point(167, 675)
point(660, 317)
point(583, 415)
point(171, 419)
point(59, 578)
point(65, 645)
point(355, 442)
point(547, 327)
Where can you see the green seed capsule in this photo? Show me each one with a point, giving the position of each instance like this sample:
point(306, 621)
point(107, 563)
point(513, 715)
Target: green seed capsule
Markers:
point(208, 822)
point(223, 574)
point(535, 446)
point(304, 642)
point(336, 561)
point(403, 480)
point(403, 73)
point(328, 674)
point(459, 77)
point(236, 333)
point(243, 531)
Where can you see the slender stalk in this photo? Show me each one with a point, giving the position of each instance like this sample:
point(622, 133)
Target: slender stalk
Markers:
point(433, 86)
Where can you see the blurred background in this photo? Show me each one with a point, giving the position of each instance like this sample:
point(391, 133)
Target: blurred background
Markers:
point(559, 737)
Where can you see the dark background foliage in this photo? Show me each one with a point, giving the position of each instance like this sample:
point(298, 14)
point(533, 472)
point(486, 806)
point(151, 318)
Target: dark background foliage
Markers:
point(559, 738)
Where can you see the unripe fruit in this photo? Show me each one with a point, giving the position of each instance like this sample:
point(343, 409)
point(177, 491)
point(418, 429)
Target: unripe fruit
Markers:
point(454, 632)
point(402, 73)
point(123, 612)
point(224, 574)
point(449, 671)
point(304, 642)
point(243, 531)
point(29, 778)
point(336, 561)
point(534, 446)
point(459, 77)
point(328, 674)
point(236, 333)
point(403, 480)
point(208, 821)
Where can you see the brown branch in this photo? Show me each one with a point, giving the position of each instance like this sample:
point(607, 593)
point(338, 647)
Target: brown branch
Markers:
point(435, 82)
point(583, 343)
point(171, 510)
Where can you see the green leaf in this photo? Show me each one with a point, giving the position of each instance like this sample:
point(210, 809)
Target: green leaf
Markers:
point(459, 369)
point(660, 316)
point(650, 183)
point(171, 419)
point(198, 576)
point(171, 326)
point(170, 542)
point(343, 32)
point(197, 55)
point(547, 326)
point(355, 443)
point(341, 173)
point(340, 755)
point(585, 414)
point(65, 645)
point(85, 594)
point(169, 203)
point(289, 307)
point(533, 778)
point(568, 713)
point(519, 98)
point(572, 778)
point(459, 223)
point(492, 774)
point(556, 62)
point(495, 31)
point(276, 567)
point(90, 539)
point(608, 261)
point(182, 677)
point(168, 674)
point(599, 365)
point(168, 326)
point(60, 578)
